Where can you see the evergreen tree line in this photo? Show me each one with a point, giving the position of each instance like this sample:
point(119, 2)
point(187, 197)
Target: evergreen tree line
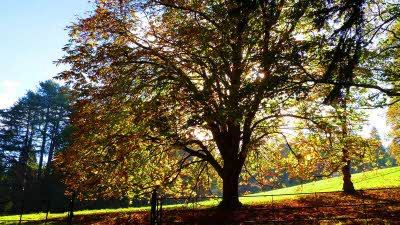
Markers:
point(32, 131)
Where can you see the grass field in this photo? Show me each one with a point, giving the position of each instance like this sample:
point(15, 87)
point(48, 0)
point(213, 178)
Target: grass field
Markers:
point(383, 178)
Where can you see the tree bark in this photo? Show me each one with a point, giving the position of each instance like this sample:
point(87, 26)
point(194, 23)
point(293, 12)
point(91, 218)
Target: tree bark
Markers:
point(53, 145)
point(230, 183)
point(348, 186)
point(43, 146)
point(230, 188)
point(24, 156)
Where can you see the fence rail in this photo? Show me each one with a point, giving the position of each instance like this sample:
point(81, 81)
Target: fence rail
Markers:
point(45, 212)
point(364, 206)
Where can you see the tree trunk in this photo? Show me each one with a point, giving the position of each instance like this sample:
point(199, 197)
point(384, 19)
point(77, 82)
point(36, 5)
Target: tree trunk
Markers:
point(24, 155)
point(348, 186)
point(230, 184)
point(53, 145)
point(43, 146)
point(230, 196)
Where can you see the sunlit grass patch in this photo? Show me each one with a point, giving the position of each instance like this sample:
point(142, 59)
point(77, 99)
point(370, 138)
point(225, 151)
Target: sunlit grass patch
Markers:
point(33, 216)
point(383, 178)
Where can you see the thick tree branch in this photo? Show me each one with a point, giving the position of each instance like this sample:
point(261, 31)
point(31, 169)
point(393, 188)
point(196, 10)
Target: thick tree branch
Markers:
point(284, 115)
point(203, 153)
point(389, 92)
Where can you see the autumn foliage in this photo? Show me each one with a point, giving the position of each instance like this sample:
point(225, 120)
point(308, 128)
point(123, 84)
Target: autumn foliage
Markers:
point(191, 95)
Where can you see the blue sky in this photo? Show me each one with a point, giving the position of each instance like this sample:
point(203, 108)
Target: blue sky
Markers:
point(32, 33)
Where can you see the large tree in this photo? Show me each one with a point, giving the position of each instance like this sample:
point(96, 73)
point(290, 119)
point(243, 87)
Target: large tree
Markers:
point(164, 87)
point(391, 56)
point(31, 131)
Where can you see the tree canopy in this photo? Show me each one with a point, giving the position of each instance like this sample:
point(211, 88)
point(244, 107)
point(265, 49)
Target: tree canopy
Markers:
point(185, 91)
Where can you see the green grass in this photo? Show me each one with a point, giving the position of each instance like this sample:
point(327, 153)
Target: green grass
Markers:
point(383, 178)
point(33, 217)
point(52, 216)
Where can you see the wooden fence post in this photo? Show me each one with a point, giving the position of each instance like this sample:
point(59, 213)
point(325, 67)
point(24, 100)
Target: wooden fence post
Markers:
point(160, 211)
point(47, 211)
point(71, 209)
point(153, 212)
point(22, 208)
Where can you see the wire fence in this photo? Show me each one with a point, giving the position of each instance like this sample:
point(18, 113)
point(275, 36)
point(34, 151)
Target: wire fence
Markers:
point(62, 211)
point(363, 207)
point(38, 214)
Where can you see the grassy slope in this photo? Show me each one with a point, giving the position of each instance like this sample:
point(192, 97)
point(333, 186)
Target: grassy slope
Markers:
point(382, 178)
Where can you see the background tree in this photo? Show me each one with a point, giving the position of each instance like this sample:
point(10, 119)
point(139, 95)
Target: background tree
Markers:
point(31, 130)
point(348, 63)
point(380, 156)
point(387, 61)
point(393, 119)
point(163, 87)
